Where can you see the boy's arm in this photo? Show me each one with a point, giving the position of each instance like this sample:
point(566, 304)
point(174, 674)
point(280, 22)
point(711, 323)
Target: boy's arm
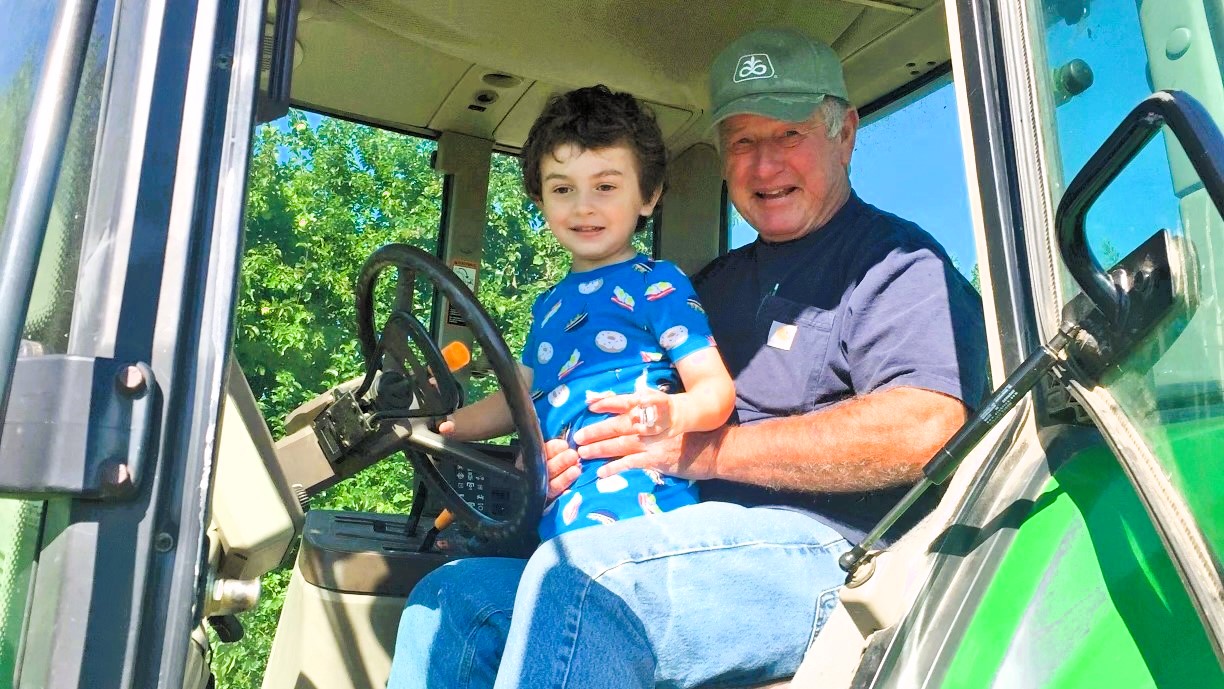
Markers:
point(709, 393)
point(488, 418)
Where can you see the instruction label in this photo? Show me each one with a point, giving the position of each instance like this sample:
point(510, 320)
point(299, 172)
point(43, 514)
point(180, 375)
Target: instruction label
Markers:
point(467, 272)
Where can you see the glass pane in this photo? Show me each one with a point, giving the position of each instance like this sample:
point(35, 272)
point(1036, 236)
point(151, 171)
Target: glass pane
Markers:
point(919, 134)
point(739, 232)
point(19, 528)
point(47, 321)
point(1171, 393)
point(323, 194)
point(50, 310)
point(1107, 43)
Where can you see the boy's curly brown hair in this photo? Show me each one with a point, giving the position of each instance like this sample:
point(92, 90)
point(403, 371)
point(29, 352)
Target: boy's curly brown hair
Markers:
point(592, 118)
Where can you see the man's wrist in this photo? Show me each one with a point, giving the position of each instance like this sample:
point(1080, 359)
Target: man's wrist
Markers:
point(700, 453)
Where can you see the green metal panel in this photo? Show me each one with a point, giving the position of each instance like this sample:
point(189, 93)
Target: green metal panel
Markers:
point(19, 526)
point(1087, 596)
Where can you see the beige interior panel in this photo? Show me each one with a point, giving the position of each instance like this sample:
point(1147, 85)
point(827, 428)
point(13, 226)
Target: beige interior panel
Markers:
point(478, 102)
point(467, 159)
point(355, 68)
point(907, 52)
point(333, 640)
point(519, 120)
point(256, 520)
point(674, 121)
point(418, 65)
point(196, 670)
point(692, 209)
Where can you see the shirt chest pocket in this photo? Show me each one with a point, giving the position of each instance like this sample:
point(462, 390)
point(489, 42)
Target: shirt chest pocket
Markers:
point(793, 346)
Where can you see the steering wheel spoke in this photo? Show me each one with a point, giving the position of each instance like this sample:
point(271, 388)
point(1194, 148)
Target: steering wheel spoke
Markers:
point(432, 443)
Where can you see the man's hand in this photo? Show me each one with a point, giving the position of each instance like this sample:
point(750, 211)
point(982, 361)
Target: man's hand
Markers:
point(561, 462)
point(650, 410)
point(675, 455)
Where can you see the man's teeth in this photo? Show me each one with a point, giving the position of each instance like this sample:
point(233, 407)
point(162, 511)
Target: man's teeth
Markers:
point(779, 193)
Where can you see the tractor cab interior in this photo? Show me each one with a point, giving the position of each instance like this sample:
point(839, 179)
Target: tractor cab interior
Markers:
point(227, 346)
point(473, 77)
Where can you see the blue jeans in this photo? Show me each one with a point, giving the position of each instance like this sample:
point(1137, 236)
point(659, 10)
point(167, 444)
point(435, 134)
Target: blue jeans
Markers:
point(710, 593)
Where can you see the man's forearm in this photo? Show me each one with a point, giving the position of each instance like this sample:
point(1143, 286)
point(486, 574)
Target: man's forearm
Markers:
point(876, 441)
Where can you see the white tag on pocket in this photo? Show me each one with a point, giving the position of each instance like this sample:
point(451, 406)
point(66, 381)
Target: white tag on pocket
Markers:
point(782, 336)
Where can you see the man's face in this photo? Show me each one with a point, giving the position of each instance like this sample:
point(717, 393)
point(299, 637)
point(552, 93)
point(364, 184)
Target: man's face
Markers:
point(592, 201)
point(785, 191)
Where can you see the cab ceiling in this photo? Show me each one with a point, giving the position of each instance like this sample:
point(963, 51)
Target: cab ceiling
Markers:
point(485, 68)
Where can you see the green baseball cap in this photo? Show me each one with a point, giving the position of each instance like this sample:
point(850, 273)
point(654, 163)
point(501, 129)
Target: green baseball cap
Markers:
point(778, 73)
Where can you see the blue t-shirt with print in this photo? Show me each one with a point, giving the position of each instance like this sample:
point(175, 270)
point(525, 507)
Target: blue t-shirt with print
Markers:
point(617, 329)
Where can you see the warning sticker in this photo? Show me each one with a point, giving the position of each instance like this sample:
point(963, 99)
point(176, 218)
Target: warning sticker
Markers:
point(467, 271)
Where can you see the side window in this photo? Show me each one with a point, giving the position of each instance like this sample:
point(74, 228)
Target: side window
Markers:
point(1099, 71)
point(1171, 392)
point(907, 161)
point(48, 319)
point(323, 194)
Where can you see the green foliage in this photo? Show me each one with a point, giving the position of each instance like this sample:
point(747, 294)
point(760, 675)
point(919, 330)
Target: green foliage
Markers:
point(322, 195)
point(320, 200)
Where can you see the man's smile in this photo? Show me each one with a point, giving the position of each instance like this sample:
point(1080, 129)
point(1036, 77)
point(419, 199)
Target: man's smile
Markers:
point(770, 195)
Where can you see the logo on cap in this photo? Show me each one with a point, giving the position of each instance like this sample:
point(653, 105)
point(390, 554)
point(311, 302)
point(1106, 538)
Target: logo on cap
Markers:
point(755, 66)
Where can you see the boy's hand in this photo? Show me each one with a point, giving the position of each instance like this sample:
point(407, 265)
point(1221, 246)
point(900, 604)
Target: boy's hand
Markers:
point(447, 427)
point(561, 462)
point(651, 410)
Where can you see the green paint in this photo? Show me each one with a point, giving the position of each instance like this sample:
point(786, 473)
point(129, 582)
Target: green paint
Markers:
point(1086, 597)
point(19, 524)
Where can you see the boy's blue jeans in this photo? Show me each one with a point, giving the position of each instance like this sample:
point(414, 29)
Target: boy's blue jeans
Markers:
point(710, 593)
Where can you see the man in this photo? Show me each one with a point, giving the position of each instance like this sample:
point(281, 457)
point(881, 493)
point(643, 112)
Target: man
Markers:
point(857, 351)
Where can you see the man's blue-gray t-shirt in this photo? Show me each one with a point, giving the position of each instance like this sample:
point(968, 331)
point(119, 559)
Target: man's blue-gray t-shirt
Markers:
point(865, 303)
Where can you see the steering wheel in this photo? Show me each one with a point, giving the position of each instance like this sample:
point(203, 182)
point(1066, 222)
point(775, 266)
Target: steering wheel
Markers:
point(410, 393)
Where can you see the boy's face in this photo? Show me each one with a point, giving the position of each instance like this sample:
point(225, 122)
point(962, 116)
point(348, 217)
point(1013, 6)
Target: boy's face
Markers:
point(592, 202)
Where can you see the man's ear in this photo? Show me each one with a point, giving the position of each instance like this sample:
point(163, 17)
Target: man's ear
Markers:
point(847, 135)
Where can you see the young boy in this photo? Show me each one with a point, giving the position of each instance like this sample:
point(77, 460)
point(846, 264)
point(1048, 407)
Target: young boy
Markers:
point(619, 322)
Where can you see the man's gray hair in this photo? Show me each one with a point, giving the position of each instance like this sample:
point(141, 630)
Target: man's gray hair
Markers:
point(833, 111)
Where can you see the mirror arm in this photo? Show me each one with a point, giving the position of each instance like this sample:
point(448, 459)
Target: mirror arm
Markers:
point(1194, 129)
